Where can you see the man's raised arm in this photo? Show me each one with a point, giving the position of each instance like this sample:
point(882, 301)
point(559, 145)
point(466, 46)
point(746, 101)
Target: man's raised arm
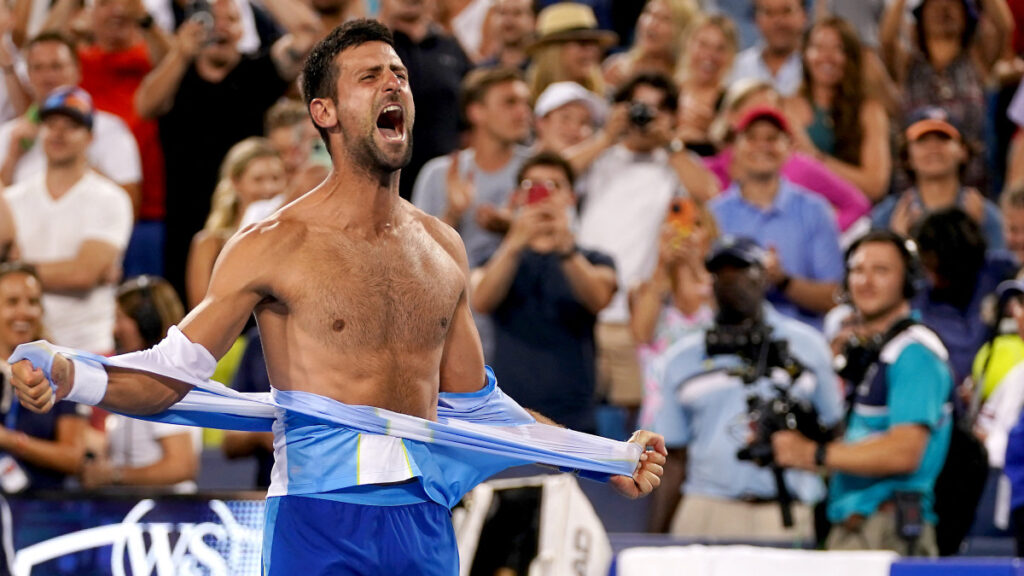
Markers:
point(205, 335)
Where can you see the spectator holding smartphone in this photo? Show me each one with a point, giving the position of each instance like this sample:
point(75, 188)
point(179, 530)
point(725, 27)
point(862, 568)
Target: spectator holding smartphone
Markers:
point(543, 293)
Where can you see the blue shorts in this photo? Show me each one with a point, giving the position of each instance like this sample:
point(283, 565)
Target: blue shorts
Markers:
point(310, 535)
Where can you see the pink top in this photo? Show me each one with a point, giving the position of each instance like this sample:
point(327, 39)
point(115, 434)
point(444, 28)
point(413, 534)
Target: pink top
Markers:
point(849, 202)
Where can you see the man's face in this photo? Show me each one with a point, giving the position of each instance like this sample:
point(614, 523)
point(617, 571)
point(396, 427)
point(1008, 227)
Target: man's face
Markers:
point(781, 23)
point(294, 143)
point(875, 279)
point(50, 66)
point(21, 309)
point(504, 112)
point(560, 201)
point(65, 141)
point(646, 138)
point(374, 111)
point(113, 20)
point(935, 155)
point(761, 150)
point(514, 21)
point(739, 289)
point(1013, 230)
point(221, 49)
point(565, 127)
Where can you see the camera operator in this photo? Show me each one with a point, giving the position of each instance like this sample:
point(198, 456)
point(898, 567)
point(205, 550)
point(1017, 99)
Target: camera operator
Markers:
point(707, 416)
point(898, 428)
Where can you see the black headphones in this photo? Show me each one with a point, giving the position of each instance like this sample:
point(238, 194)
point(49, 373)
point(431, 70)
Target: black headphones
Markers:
point(146, 314)
point(913, 276)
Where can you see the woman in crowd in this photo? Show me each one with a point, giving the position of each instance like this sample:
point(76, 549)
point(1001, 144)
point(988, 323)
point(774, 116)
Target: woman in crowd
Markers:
point(711, 45)
point(837, 121)
point(569, 47)
point(140, 452)
point(657, 41)
point(957, 45)
point(251, 171)
point(675, 300)
point(47, 448)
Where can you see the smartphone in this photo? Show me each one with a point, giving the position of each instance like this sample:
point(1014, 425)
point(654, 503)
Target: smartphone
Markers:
point(682, 215)
point(537, 193)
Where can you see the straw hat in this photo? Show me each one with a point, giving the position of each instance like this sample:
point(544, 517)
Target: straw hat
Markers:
point(567, 21)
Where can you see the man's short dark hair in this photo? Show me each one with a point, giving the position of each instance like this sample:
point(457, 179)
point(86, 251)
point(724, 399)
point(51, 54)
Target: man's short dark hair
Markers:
point(320, 72)
point(671, 100)
point(547, 159)
point(57, 38)
point(479, 82)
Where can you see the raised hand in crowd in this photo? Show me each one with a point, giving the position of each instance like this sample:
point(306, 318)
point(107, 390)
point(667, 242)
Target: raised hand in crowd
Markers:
point(460, 190)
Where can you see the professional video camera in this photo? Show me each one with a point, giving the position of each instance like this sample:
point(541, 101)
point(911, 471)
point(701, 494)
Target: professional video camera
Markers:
point(761, 355)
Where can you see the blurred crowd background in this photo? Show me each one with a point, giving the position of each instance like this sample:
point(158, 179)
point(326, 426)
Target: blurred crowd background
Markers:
point(590, 155)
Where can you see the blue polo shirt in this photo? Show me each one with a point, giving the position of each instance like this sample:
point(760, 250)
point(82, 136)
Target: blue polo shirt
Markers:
point(799, 225)
point(705, 410)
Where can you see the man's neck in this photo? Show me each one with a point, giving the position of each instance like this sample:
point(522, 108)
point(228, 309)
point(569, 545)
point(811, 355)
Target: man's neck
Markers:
point(513, 55)
point(61, 178)
point(774, 58)
point(214, 74)
point(416, 29)
point(938, 192)
point(760, 192)
point(491, 154)
point(881, 323)
point(357, 199)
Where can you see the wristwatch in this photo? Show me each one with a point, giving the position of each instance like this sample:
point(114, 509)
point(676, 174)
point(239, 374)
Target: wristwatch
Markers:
point(819, 455)
point(676, 145)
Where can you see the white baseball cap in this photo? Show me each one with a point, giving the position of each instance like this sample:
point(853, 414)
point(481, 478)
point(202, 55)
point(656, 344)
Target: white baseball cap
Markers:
point(561, 93)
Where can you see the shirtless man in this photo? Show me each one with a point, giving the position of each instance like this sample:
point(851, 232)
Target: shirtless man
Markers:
point(360, 298)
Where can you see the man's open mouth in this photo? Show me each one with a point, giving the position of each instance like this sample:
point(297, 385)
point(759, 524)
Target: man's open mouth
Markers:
point(391, 123)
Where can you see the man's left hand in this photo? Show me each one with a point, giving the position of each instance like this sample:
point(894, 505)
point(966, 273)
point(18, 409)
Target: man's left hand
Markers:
point(647, 475)
point(793, 450)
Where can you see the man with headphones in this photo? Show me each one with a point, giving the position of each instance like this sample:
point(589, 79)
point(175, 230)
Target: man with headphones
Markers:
point(898, 422)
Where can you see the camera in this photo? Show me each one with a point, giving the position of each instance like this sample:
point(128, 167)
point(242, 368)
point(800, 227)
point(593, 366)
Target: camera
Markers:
point(761, 355)
point(200, 11)
point(640, 114)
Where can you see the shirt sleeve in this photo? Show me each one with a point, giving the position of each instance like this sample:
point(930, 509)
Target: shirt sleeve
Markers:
point(117, 154)
point(111, 220)
point(827, 256)
point(919, 387)
point(429, 192)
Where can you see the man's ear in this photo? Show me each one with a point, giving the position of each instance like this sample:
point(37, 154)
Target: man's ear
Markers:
point(323, 113)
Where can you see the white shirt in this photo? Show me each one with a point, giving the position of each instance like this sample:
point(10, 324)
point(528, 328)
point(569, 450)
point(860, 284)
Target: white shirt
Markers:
point(626, 198)
point(51, 230)
point(136, 443)
point(113, 151)
point(749, 64)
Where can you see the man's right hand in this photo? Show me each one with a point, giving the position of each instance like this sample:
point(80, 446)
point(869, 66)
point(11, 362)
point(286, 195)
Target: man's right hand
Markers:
point(34, 389)
point(190, 38)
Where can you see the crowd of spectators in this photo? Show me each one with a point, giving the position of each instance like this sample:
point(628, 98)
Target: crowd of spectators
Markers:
point(628, 177)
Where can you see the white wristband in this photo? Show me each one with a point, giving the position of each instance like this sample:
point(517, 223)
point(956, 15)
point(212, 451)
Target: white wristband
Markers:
point(90, 385)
